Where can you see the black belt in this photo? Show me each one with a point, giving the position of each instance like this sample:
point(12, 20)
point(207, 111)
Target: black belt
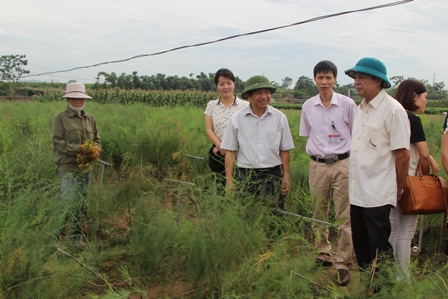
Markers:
point(331, 160)
point(263, 170)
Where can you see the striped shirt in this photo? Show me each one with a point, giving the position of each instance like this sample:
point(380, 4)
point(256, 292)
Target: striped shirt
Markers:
point(319, 122)
point(380, 127)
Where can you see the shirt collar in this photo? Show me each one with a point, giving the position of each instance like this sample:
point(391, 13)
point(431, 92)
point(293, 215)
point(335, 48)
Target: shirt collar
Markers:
point(234, 101)
point(334, 100)
point(72, 113)
point(376, 101)
point(266, 112)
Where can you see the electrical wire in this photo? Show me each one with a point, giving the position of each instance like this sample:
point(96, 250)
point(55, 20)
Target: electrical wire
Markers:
point(229, 37)
point(58, 76)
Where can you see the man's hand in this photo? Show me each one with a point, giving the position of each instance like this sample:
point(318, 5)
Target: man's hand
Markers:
point(402, 157)
point(230, 165)
point(399, 194)
point(286, 180)
point(286, 185)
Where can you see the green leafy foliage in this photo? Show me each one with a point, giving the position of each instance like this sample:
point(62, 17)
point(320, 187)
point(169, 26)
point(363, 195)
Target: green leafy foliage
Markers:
point(156, 225)
point(11, 67)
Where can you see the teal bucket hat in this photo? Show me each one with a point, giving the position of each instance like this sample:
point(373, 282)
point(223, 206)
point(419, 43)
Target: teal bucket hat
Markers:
point(371, 66)
point(257, 82)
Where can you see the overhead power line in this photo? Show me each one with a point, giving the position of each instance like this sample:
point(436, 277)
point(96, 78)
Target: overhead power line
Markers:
point(229, 37)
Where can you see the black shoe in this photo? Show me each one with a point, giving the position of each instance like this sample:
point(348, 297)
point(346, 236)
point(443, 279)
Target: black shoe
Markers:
point(343, 277)
point(322, 263)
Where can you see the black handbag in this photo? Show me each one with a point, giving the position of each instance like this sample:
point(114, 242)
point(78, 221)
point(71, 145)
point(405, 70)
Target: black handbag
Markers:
point(216, 162)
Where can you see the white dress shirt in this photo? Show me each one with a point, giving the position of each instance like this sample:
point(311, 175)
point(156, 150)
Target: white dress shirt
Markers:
point(380, 127)
point(258, 140)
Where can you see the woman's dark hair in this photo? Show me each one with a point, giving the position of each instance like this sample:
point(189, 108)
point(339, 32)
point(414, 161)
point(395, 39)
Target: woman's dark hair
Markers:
point(224, 73)
point(405, 93)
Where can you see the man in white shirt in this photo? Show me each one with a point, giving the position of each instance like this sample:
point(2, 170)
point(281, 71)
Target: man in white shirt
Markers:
point(327, 121)
point(257, 140)
point(379, 160)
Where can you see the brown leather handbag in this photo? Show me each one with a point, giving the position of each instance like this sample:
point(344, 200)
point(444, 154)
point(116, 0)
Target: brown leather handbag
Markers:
point(425, 194)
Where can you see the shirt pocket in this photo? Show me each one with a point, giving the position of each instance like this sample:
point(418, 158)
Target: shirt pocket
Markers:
point(374, 138)
point(273, 139)
point(73, 135)
point(340, 128)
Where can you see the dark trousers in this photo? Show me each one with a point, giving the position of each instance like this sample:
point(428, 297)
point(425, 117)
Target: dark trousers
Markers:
point(370, 231)
point(217, 165)
point(263, 184)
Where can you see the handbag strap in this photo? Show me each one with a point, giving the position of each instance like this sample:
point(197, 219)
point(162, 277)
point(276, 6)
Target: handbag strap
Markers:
point(418, 170)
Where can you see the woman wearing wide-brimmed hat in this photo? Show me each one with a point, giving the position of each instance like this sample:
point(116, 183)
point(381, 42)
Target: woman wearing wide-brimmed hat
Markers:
point(75, 137)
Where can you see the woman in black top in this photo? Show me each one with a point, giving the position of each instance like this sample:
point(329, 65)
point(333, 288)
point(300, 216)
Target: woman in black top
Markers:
point(412, 96)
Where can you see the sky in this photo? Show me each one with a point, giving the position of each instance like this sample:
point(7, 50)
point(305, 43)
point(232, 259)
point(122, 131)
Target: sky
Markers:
point(410, 39)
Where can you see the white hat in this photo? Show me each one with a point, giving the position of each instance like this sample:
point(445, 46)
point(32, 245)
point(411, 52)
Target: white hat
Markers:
point(76, 90)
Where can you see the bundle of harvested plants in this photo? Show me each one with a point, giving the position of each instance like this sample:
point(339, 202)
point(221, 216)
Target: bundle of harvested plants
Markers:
point(90, 153)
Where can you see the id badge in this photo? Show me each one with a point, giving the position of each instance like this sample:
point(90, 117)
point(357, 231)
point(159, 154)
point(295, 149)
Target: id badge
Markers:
point(333, 138)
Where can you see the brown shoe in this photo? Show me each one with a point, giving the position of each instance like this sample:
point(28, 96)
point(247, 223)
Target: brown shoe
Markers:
point(343, 277)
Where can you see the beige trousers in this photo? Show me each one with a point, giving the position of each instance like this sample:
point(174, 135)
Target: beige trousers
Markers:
point(330, 182)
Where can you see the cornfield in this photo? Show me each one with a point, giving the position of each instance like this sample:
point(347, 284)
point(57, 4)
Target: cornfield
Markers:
point(152, 98)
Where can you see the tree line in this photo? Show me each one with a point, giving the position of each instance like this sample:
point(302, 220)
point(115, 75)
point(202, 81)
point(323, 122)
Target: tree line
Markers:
point(304, 87)
point(202, 82)
point(11, 70)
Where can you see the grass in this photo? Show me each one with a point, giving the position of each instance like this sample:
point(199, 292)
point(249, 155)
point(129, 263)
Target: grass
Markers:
point(153, 238)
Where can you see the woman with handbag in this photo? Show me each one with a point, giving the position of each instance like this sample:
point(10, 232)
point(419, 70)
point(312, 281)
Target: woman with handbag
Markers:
point(412, 96)
point(217, 113)
point(444, 150)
